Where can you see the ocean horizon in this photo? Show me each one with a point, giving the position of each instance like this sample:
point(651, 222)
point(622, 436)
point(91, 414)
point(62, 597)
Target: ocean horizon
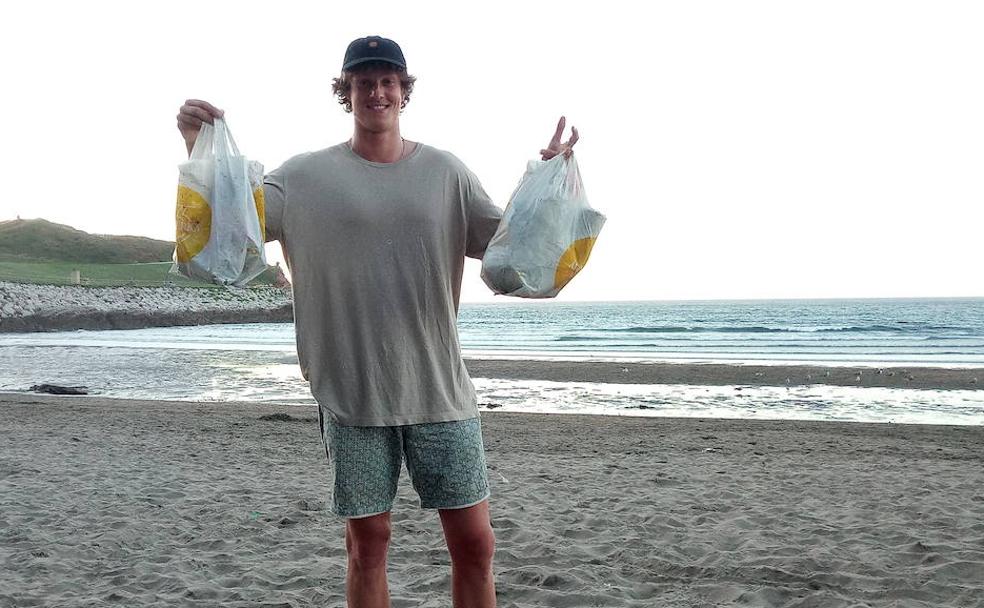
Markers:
point(935, 332)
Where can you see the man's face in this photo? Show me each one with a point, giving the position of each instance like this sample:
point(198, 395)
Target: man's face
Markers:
point(376, 97)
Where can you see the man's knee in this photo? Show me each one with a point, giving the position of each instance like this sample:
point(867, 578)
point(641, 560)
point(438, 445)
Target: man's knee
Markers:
point(367, 541)
point(473, 547)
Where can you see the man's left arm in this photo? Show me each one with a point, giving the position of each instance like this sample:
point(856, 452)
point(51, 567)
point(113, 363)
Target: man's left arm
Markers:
point(482, 217)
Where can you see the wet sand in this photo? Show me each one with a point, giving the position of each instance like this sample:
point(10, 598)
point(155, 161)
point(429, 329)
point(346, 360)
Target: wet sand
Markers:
point(728, 374)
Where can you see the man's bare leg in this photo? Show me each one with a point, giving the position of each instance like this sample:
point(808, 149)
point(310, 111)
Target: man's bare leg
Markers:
point(367, 543)
point(471, 543)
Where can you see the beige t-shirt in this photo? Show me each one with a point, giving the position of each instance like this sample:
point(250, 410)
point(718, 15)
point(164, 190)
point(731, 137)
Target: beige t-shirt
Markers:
point(376, 253)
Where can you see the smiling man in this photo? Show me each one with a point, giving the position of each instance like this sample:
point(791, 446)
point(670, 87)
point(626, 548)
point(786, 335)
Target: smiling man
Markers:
point(376, 231)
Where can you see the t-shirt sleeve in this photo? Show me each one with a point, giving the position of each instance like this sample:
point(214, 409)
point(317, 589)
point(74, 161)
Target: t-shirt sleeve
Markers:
point(274, 199)
point(482, 216)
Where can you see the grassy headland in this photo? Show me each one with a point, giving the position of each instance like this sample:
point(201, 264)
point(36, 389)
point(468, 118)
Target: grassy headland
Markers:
point(41, 252)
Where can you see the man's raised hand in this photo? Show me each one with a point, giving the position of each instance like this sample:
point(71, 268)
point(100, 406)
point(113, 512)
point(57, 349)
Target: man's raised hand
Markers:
point(191, 116)
point(555, 147)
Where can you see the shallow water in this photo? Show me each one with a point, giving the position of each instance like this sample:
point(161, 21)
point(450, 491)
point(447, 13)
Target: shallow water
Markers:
point(199, 374)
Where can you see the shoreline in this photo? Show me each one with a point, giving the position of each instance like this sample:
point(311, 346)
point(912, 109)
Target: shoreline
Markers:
point(152, 503)
point(120, 405)
point(291, 410)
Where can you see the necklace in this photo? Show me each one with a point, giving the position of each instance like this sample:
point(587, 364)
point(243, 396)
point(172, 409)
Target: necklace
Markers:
point(403, 150)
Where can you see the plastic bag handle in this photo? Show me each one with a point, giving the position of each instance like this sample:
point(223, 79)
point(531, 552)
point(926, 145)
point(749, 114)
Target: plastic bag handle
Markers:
point(563, 175)
point(224, 135)
point(203, 143)
point(214, 139)
point(572, 178)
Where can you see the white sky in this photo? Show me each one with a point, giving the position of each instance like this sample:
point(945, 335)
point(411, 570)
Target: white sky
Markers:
point(739, 149)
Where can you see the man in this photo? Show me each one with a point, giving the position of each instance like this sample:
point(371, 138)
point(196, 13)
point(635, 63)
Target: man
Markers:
point(375, 231)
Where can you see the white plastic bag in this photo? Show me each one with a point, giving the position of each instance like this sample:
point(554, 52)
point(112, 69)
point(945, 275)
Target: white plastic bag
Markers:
point(219, 217)
point(546, 232)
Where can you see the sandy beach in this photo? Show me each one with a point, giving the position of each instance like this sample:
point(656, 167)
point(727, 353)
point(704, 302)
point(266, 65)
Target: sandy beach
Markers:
point(139, 503)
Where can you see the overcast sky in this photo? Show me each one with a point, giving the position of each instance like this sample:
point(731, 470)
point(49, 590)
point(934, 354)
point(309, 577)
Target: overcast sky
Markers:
point(739, 149)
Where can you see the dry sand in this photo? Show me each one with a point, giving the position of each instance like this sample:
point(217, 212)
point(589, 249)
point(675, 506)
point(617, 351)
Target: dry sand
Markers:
point(126, 503)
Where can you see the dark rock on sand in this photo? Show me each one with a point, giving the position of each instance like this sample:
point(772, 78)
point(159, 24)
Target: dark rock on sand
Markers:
point(281, 417)
point(55, 389)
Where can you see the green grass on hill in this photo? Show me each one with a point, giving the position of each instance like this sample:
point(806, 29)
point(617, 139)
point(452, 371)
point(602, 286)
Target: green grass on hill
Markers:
point(152, 274)
point(44, 241)
point(39, 251)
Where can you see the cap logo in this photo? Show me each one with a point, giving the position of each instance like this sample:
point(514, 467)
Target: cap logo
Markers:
point(373, 44)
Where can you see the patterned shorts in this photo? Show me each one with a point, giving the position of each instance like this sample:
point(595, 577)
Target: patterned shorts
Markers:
point(446, 462)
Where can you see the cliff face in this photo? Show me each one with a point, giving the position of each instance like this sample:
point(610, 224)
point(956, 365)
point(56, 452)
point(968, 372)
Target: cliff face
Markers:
point(27, 308)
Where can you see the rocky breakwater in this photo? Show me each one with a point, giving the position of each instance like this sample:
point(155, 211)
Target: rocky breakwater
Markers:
point(25, 308)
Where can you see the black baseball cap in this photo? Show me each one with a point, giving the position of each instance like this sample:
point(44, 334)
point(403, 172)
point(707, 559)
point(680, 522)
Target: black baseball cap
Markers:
point(373, 48)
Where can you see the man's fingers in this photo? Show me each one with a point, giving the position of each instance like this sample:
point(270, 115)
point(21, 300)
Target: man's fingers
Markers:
point(201, 103)
point(189, 121)
point(555, 140)
point(202, 110)
point(197, 112)
point(555, 146)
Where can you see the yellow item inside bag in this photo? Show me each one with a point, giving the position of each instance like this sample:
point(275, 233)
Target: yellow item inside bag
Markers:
point(193, 220)
point(220, 222)
point(572, 261)
point(260, 207)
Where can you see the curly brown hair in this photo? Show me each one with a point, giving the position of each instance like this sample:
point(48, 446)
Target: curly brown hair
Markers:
point(342, 86)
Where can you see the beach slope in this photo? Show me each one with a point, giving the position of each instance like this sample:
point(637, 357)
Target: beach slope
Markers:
point(182, 504)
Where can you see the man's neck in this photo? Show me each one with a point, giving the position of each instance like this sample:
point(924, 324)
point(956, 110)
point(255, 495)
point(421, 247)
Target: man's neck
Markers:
point(386, 147)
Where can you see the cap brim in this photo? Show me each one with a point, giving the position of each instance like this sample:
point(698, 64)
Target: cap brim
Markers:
point(362, 60)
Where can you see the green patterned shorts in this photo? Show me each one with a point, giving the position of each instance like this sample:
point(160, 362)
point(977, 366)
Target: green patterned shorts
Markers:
point(446, 462)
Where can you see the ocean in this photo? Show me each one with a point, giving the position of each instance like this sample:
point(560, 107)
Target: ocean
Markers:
point(258, 362)
point(938, 332)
